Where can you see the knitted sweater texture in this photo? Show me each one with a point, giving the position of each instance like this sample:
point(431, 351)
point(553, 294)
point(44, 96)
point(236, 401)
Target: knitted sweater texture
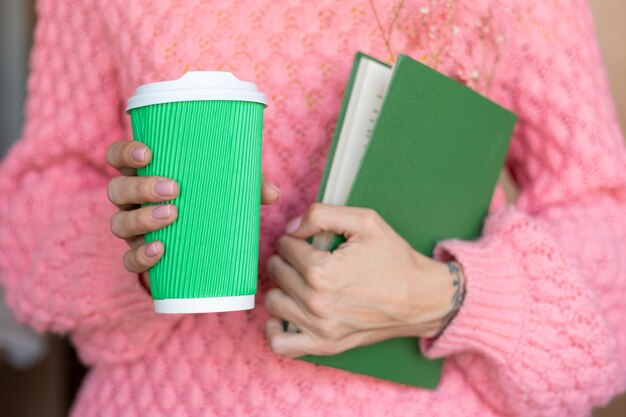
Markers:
point(542, 331)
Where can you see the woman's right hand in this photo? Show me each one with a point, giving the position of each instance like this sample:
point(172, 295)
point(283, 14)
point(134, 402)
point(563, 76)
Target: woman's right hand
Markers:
point(132, 221)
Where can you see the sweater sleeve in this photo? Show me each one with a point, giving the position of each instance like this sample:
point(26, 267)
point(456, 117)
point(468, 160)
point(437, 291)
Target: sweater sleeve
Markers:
point(542, 330)
point(61, 266)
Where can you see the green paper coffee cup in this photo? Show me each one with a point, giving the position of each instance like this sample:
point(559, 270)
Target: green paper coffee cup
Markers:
point(205, 131)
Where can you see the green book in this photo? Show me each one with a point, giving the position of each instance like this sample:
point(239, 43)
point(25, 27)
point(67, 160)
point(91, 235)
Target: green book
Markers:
point(425, 152)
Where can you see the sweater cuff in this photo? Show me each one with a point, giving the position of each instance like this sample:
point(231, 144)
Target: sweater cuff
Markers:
point(126, 328)
point(116, 312)
point(491, 317)
point(114, 292)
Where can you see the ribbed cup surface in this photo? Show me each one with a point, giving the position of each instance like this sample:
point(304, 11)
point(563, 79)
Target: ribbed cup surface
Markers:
point(213, 150)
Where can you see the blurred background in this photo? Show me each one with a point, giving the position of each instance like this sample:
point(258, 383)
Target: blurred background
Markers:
point(39, 374)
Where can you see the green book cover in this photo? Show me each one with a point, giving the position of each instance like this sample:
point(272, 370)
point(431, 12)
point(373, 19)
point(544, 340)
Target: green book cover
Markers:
point(429, 168)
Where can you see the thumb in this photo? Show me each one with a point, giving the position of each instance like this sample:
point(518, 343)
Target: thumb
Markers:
point(269, 192)
point(341, 220)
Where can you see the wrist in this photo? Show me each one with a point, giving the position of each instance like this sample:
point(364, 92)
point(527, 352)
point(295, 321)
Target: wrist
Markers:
point(434, 297)
point(456, 295)
point(444, 288)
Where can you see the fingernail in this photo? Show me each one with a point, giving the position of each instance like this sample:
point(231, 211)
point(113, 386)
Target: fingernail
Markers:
point(161, 211)
point(293, 225)
point(152, 250)
point(275, 189)
point(139, 154)
point(164, 187)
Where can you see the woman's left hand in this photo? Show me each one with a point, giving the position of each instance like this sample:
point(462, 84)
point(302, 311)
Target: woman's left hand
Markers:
point(373, 287)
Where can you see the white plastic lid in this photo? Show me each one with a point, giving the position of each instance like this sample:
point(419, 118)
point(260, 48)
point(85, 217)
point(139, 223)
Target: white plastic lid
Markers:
point(196, 85)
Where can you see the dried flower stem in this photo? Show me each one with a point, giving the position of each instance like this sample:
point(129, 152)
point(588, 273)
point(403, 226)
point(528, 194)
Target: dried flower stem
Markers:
point(387, 36)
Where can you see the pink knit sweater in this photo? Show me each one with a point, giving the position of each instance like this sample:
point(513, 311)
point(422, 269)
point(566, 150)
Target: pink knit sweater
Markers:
point(542, 331)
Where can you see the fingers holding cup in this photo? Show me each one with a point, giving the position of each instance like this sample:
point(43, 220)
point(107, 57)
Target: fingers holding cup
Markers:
point(127, 190)
point(128, 224)
point(143, 257)
point(128, 155)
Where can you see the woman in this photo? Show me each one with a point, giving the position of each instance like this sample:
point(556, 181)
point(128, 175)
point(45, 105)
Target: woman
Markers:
point(541, 330)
